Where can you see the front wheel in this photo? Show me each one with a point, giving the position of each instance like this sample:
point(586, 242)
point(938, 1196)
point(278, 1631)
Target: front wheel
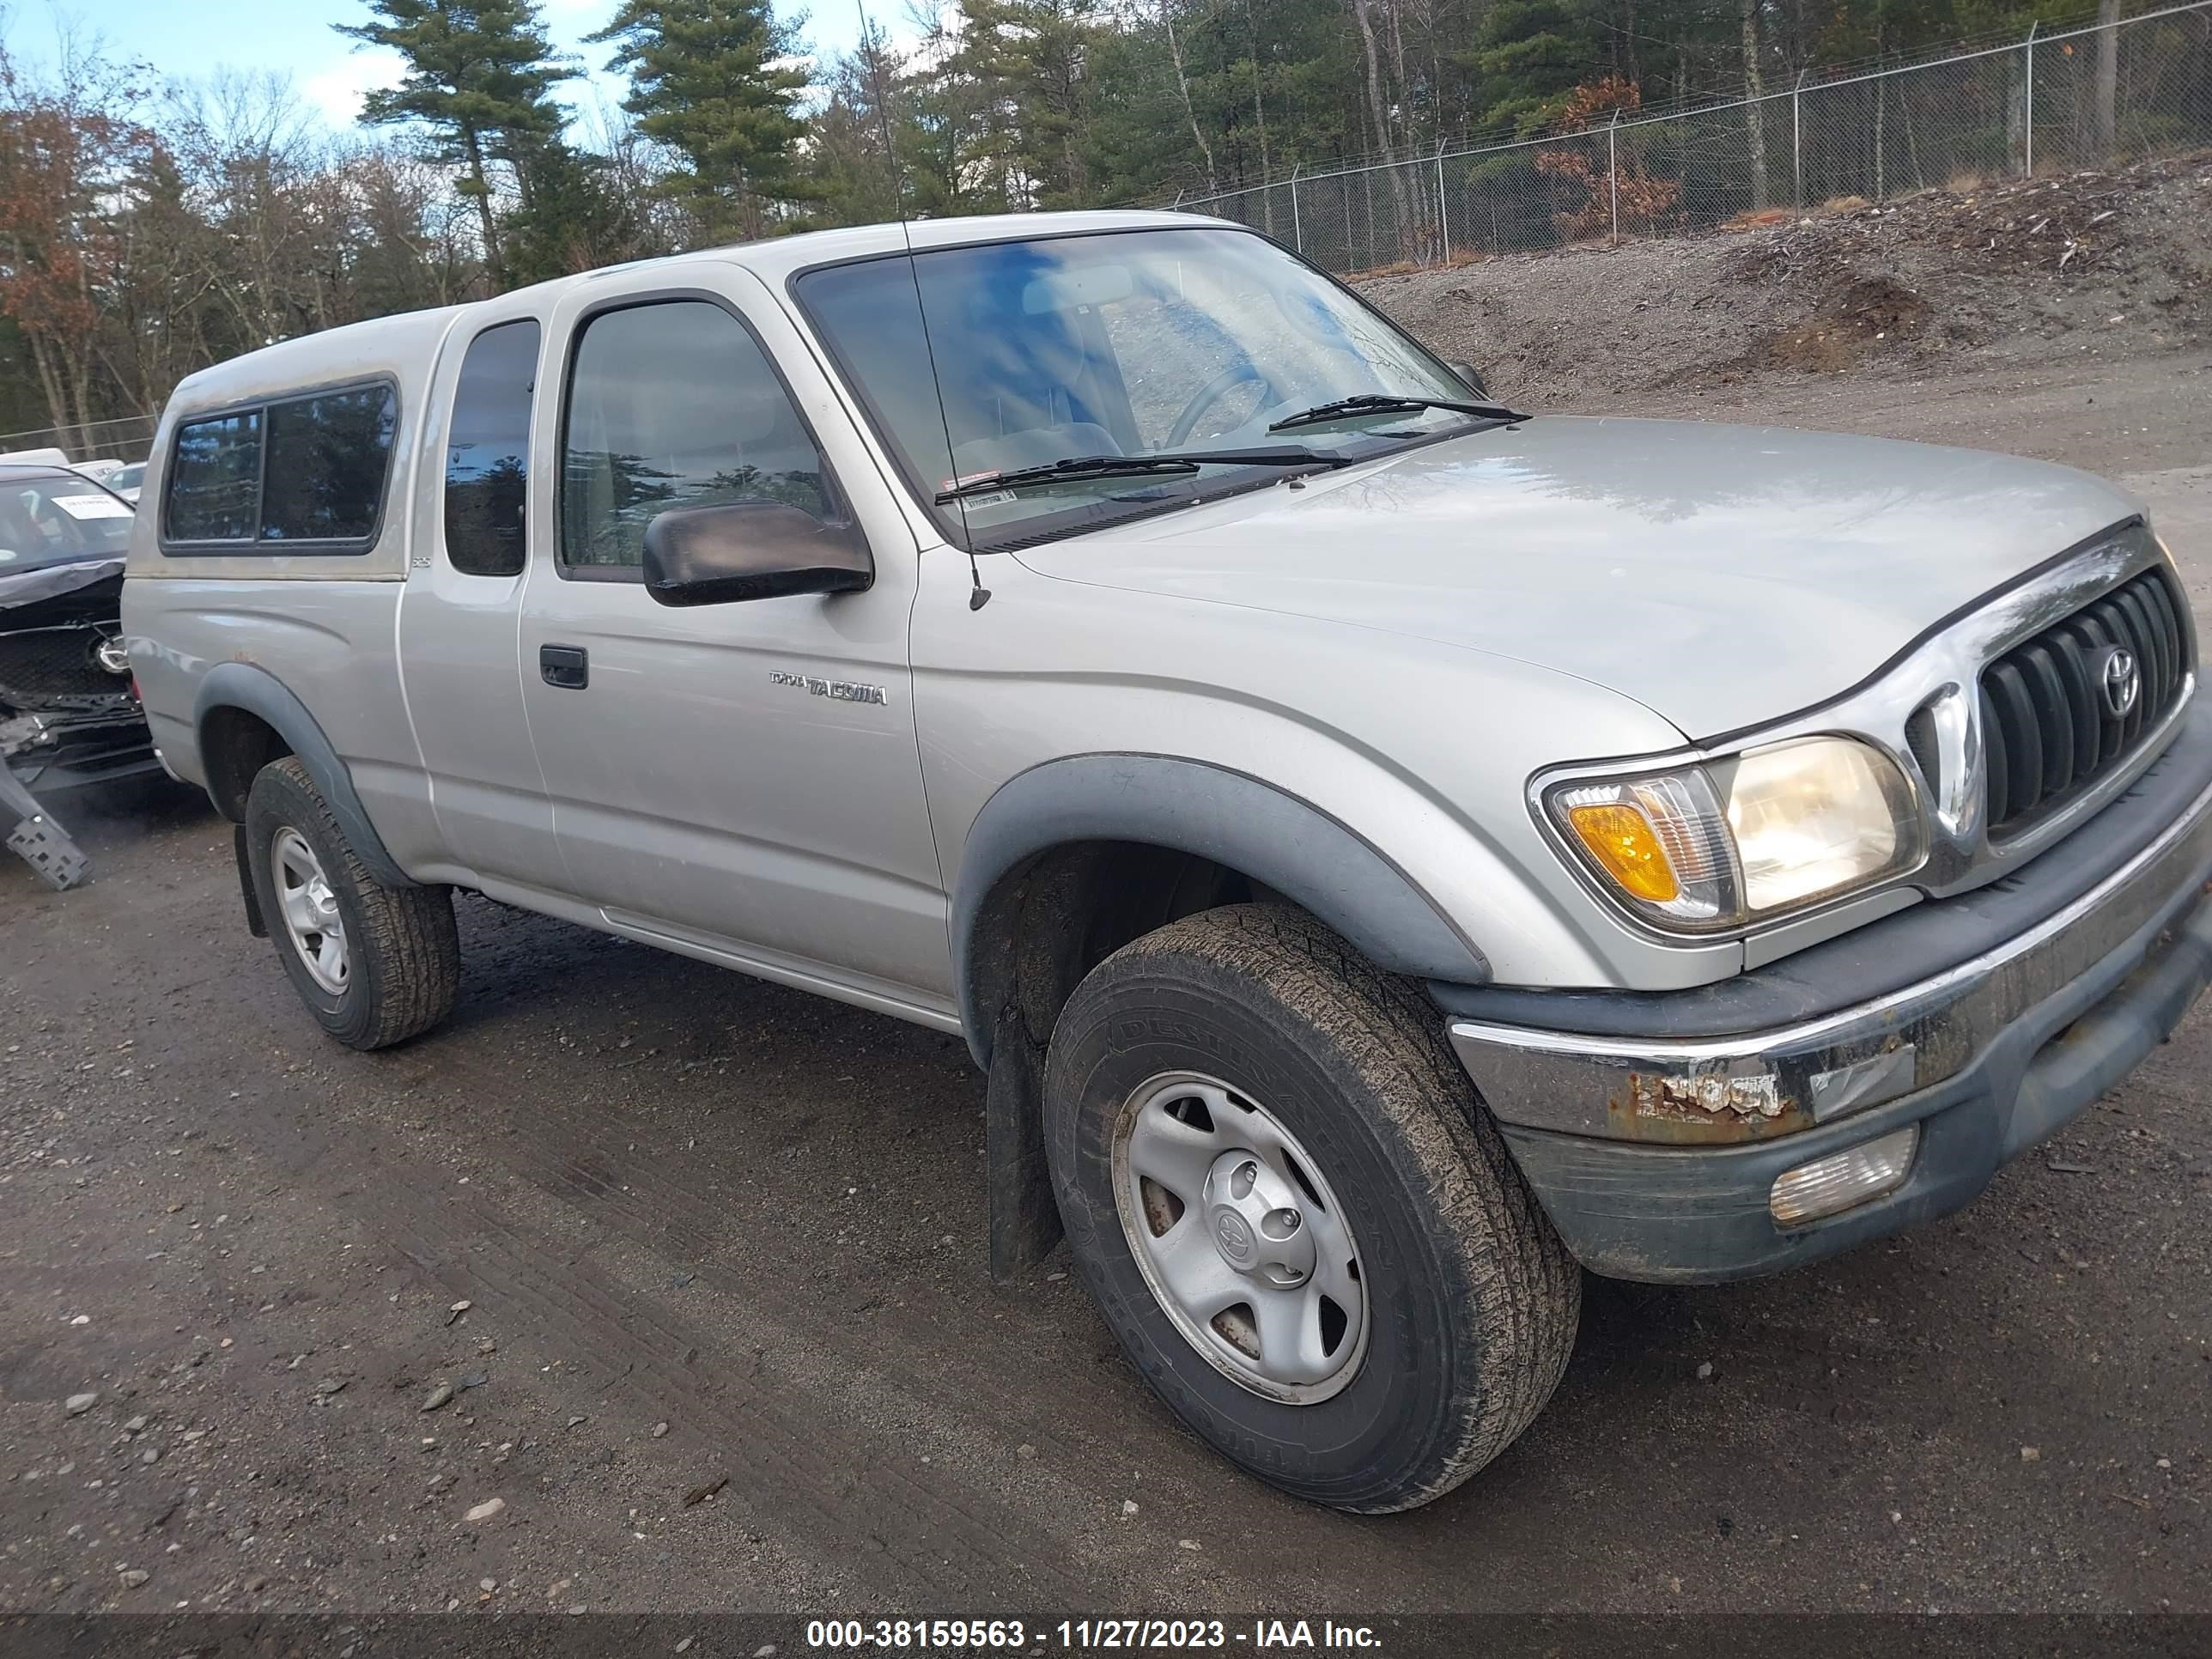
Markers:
point(375, 964)
point(1294, 1213)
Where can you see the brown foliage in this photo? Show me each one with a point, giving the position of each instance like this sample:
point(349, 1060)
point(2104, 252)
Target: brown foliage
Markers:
point(1644, 204)
point(65, 146)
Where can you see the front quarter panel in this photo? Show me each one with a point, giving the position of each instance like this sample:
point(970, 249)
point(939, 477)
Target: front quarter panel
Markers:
point(1420, 750)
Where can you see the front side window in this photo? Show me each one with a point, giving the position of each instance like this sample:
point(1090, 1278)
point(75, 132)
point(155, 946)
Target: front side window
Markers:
point(307, 472)
point(1148, 343)
point(671, 405)
point(214, 479)
point(488, 454)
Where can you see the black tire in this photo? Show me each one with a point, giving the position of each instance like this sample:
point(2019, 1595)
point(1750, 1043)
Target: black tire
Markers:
point(403, 952)
point(1473, 1300)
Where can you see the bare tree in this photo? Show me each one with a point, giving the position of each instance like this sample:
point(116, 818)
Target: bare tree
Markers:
point(261, 173)
point(1377, 111)
point(1183, 90)
point(2108, 79)
point(1754, 112)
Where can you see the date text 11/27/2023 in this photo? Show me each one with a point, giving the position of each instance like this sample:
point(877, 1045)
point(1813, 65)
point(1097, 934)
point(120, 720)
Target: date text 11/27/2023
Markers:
point(1086, 1635)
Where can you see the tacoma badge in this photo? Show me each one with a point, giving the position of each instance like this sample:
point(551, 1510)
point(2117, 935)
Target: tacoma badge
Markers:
point(835, 690)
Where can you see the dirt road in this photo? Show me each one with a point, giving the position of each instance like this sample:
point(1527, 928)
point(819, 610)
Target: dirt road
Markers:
point(673, 1235)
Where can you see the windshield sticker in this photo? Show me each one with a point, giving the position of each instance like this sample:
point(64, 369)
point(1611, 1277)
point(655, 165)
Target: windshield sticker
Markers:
point(93, 506)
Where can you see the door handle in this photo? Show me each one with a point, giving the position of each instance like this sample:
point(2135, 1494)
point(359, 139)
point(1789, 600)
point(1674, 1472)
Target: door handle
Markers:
point(568, 666)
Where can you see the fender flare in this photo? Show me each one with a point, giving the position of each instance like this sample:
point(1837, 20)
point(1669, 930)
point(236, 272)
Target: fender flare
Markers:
point(1214, 812)
point(256, 690)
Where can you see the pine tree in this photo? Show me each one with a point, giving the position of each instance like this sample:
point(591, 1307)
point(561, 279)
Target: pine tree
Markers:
point(847, 175)
point(571, 216)
point(1034, 55)
point(716, 82)
point(1527, 57)
point(480, 76)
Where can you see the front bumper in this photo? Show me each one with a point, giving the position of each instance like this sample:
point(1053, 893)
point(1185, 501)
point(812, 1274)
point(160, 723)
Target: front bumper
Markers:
point(57, 754)
point(53, 753)
point(1654, 1156)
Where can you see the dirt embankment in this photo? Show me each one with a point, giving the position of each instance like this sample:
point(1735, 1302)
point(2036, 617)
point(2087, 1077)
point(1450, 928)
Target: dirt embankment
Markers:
point(2007, 273)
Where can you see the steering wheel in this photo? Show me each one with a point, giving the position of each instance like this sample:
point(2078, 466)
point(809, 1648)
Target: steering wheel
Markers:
point(1210, 393)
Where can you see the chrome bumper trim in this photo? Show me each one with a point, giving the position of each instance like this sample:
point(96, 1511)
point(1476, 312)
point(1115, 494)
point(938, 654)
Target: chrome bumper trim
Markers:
point(1768, 1083)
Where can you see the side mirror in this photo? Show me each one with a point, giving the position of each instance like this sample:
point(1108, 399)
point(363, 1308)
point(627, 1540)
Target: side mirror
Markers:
point(1469, 372)
point(750, 550)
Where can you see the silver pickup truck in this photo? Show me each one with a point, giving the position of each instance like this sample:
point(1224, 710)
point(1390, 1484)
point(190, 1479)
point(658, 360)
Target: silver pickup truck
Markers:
point(1383, 848)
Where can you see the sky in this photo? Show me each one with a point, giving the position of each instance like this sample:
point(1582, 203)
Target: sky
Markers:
point(191, 39)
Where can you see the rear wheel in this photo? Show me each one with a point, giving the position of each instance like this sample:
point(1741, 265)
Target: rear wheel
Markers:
point(1295, 1214)
point(375, 964)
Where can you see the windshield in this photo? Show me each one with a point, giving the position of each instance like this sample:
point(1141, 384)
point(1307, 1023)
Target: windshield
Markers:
point(1146, 343)
point(46, 521)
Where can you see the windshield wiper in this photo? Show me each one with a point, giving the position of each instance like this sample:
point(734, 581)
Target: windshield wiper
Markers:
point(1370, 403)
point(1081, 467)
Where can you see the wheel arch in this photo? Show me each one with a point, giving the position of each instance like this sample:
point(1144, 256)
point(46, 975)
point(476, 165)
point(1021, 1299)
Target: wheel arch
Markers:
point(244, 717)
point(1282, 846)
point(1072, 859)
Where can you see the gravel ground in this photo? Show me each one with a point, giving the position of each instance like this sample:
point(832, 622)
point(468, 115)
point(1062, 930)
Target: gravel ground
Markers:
point(2080, 270)
point(700, 1262)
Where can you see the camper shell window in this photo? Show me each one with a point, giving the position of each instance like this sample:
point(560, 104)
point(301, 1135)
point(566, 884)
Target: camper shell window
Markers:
point(293, 475)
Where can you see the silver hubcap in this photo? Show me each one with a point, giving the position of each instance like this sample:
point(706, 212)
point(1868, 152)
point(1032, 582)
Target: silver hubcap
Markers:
point(311, 910)
point(1237, 1234)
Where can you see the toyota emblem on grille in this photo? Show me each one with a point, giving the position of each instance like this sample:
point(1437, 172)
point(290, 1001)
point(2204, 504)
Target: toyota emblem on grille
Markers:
point(2120, 679)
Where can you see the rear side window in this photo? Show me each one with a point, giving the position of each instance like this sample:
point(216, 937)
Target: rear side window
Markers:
point(305, 475)
point(674, 403)
point(487, 456)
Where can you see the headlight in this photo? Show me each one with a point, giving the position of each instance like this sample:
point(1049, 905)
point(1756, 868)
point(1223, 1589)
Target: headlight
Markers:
point(1706, 847)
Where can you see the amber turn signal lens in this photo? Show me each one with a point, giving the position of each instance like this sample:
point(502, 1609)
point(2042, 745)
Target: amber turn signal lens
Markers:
point(1622, 841)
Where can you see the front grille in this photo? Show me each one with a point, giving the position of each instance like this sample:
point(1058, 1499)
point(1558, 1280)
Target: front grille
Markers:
point(52, 668)
point(2049, 732)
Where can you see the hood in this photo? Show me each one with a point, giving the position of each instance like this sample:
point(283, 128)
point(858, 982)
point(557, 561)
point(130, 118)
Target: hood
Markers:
point(51, 581)
point(1724, 576)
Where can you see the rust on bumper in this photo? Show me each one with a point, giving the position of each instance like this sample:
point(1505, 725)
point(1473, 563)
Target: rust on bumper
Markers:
point(1764, 1084)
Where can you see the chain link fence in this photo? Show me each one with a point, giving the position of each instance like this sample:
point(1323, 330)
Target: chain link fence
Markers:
point(127, 438)
point(2052, 102)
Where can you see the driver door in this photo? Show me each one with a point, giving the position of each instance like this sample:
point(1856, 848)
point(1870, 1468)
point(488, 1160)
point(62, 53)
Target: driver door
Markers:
point(738, 780)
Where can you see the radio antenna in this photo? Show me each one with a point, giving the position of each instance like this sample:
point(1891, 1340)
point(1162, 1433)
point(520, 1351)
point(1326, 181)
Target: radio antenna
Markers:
point(978, 595)
point(884, 114)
